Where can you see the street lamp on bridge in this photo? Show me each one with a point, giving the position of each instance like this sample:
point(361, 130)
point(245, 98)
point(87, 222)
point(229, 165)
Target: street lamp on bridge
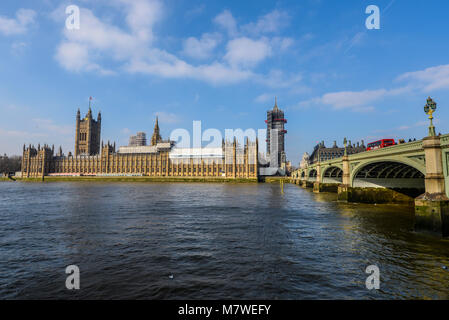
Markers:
point(429, 109)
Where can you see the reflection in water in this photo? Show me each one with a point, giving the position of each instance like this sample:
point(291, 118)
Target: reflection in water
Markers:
point(217, 240)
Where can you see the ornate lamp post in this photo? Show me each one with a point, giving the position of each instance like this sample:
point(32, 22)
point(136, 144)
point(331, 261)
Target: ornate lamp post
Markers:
point(429, 109)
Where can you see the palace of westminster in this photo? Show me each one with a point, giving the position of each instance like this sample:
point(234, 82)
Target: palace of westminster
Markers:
point(160, 158)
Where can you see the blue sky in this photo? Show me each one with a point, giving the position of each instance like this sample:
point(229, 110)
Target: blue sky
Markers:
point(222, 62)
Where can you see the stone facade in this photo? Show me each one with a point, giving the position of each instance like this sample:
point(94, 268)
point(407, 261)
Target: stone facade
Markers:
point(160, 159)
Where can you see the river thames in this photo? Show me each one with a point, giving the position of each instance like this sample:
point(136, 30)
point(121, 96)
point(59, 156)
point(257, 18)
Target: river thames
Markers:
point(209, 241)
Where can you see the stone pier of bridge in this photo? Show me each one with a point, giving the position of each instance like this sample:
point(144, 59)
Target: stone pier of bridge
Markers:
point(432, 207)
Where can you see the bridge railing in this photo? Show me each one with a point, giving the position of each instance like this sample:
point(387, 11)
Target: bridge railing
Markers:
point(399, 148)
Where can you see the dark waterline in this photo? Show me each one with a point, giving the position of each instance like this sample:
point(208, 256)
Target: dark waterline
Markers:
point(219, 241)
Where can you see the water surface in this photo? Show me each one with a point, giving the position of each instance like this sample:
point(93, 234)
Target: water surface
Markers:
point(218, 241)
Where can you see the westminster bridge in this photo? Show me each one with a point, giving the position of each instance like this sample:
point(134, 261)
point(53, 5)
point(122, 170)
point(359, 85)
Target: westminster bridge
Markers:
point(416, 172)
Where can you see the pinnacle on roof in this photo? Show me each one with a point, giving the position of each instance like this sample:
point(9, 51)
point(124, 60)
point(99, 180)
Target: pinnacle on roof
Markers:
point(156, 137)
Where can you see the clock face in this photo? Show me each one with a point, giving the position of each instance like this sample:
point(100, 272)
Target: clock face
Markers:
point(426, 108)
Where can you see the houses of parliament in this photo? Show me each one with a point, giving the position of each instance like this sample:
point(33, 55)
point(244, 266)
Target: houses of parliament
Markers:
point(160, 158)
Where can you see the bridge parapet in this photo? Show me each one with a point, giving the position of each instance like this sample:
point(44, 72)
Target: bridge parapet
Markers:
point(444, 139)
point(408, 147)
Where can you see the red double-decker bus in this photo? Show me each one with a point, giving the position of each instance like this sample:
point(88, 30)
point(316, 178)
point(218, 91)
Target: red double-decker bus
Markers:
point(380, 144)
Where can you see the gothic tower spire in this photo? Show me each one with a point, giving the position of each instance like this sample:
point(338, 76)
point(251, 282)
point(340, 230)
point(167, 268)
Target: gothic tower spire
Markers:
point(156, 137)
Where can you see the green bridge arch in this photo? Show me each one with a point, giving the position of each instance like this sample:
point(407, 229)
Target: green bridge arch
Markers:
point(332, 174)
point(388, 163)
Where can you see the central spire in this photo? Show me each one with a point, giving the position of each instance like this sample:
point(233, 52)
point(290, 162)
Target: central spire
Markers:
point(275, 103)
point(156, 137)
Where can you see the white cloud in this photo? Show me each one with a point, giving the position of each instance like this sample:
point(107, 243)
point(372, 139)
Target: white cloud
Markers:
point(281, 44)
point(95, 40)
point(356, 100)
point(160, 63)
point(82, 48)
point(97, 35)
point(271, 22)
point(19, 25)
point(348, 99)
point(430, 79)
point(132, 48)
point(201, 48)
point(246, 52)
point(219, 73)
point(166, 65)
point(98, 40)
point(73, 56)
point(141, 17)
point(226, 21)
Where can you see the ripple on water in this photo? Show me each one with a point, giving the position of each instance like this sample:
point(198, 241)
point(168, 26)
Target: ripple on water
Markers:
point(217, 241)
